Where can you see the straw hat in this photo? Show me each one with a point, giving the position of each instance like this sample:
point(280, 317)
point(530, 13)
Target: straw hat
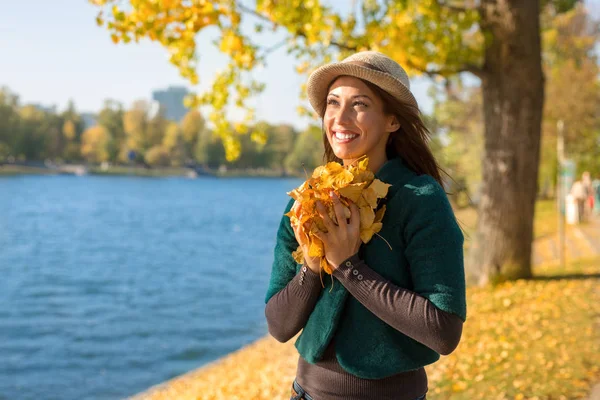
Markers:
point(371, 66)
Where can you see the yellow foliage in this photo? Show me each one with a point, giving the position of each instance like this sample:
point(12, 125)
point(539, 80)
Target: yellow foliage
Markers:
point(420, 35)
point(69, 130)
point(354, 183)
point(157, 156)
point(94, 144)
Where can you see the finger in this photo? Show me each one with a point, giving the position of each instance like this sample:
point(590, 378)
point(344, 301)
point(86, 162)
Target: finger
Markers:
point(338, 208)
point(354, 216)
point(298, 233)
point(322, 236)
point(304, 233)
point(327, 221)
point(295, 230)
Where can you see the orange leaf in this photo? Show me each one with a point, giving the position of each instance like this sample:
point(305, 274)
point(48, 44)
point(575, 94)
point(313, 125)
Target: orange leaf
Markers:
point(367, 216)
point(353, 191)
point(367, 233)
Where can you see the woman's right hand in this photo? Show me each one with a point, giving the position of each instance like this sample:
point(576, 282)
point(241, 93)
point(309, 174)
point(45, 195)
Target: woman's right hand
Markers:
point(314, 263)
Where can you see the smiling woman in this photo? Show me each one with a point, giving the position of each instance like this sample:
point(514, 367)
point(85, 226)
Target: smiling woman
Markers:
point(401, 302)
point(355, 122)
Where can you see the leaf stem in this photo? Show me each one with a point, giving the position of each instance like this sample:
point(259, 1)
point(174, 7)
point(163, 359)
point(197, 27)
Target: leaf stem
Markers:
point(384, 240)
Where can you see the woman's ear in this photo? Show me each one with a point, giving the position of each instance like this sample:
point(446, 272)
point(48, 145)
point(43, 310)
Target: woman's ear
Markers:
point(392, 124)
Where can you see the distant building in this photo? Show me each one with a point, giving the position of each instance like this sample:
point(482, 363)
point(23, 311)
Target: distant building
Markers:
point(49, 109)
point(89, 119)
point(171, 100)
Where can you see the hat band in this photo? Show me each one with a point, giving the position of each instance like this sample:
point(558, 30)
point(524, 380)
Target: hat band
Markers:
point(364, 64)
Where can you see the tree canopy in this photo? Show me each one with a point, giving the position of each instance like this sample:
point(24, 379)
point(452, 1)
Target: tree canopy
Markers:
point(426, 36)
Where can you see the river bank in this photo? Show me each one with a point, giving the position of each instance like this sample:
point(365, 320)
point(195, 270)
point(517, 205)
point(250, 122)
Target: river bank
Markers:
point(553, 352)
point(139, 171)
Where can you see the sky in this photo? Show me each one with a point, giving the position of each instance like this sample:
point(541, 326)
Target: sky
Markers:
point(53, 51)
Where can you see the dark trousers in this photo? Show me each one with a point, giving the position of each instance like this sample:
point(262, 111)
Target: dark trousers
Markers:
point(299, 394)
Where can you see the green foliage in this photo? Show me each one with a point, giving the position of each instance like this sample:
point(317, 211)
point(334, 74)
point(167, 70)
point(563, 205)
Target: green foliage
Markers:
point(280, 141)
point(572, 90)
point(209, 150)
point(458, 141)
point(111, 118)
point(308, 151)
point(569, 39)
point(28, 133)
point(193, 130)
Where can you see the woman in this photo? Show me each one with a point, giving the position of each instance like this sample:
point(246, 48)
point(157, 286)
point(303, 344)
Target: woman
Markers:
point(392, 311)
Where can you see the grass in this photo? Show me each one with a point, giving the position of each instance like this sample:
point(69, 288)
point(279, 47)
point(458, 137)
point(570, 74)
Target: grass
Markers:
point(10, 170)
point(545, 221)
point(118, 170)
point(139, 171)
point(528, 339)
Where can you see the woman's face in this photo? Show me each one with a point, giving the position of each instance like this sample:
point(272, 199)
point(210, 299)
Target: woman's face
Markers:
point(355, 122)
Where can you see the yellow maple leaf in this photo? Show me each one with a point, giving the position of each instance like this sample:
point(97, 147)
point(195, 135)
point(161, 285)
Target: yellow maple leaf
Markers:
point(370, 198)
point(325, 266)
point(298, 256)
point(353, 191)
point(367, 216)
point(379, 214)
point(380, 188)
point(316, 248)
point(367, 233)
point(333, 175)
point(361, 173)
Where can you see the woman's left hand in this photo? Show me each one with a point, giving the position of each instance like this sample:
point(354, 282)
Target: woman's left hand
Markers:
point(342, 240)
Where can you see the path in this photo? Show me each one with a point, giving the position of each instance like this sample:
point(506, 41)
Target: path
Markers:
point(581, 241)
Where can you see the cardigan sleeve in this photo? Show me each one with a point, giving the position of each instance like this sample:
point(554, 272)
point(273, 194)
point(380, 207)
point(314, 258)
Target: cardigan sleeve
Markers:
point(284, 265)
point(402, 309)
point(289, 299)
point(433, 245)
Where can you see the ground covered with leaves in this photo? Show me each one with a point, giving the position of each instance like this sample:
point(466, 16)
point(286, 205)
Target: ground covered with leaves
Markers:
point(529, 339)
point(535, 339)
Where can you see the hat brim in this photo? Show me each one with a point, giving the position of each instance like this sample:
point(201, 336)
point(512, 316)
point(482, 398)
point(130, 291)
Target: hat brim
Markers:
point(320, 80)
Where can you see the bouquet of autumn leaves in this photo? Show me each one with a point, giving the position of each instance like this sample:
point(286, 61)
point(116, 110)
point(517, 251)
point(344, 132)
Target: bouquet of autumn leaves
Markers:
point(351, 183)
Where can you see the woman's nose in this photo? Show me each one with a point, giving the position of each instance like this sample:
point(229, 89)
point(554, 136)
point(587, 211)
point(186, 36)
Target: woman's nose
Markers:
point(342, 115)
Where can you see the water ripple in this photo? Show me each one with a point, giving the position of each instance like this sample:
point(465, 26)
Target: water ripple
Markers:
point(120, 283)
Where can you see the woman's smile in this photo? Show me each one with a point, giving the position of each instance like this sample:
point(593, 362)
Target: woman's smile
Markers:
point(343, 136)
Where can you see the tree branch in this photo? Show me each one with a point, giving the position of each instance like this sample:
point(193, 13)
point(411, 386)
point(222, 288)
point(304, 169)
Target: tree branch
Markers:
point(298, 33)
point(276, 46)
point(475, 70)
point(444, 4)
point(432, 73)
point(256, 14)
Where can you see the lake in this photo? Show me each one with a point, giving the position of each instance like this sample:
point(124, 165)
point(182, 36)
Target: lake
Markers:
point(110, 285)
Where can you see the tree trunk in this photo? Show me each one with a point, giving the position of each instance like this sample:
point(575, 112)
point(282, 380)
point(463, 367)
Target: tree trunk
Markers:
point(513, 97)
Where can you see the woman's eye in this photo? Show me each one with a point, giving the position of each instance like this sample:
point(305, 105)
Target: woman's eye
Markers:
point(356, 103)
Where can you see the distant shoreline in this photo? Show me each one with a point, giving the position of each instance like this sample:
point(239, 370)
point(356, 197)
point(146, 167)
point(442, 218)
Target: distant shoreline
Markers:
point(156, 172)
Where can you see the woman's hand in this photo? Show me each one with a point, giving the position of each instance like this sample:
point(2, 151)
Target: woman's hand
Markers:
point(314, 263)
point(342, 240)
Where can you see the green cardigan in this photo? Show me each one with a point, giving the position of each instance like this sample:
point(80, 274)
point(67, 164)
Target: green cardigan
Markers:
point(426, 257)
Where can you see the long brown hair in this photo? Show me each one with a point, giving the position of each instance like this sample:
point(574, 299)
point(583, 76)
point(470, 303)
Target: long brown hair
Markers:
point(408, 142)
